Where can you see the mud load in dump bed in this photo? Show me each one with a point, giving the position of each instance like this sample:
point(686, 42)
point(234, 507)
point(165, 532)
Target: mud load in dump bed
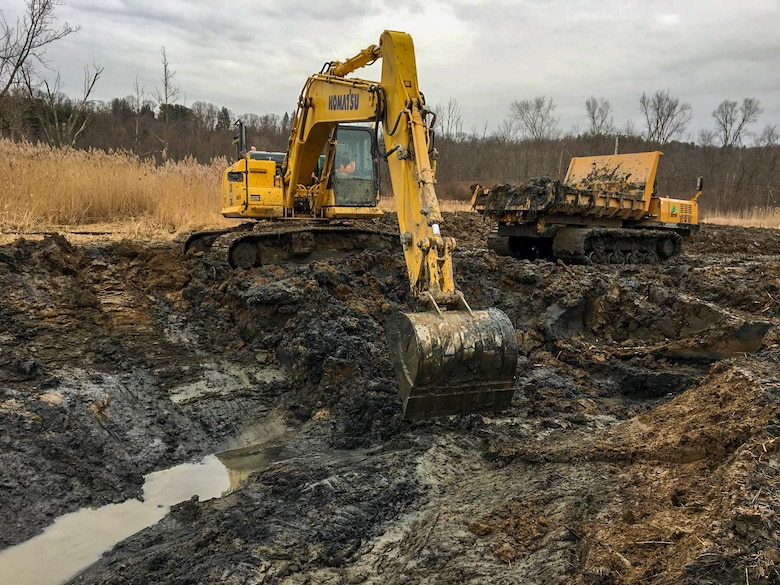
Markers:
point(606, 210)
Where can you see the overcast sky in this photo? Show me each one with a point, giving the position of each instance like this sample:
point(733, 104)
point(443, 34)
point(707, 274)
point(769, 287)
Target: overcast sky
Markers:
point(253, 56)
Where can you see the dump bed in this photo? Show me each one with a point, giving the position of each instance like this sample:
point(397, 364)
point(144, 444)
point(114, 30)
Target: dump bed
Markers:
point(626, 175)
point(610, 186)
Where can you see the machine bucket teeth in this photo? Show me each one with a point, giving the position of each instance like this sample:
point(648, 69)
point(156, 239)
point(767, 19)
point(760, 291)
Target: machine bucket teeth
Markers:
point(455, 362)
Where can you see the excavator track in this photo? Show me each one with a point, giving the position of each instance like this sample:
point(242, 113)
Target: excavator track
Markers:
point(280, 242)
point(593, 246)
point(202, 241)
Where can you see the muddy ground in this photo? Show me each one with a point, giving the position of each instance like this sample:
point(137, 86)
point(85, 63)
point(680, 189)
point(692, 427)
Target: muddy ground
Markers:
point(641, 445)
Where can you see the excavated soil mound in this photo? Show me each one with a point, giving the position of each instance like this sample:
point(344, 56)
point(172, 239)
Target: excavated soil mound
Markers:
point(641, 445)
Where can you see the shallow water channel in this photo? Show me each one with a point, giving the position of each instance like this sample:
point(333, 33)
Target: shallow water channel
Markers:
point(75, 541)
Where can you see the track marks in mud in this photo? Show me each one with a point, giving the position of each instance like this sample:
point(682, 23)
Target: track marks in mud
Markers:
point(691, 474)
point(557, 488)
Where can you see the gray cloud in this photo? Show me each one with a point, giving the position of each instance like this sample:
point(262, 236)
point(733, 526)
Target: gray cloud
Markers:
point(254, 56)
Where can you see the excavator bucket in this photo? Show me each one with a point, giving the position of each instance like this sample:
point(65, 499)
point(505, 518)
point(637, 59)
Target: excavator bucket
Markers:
point(456, 362)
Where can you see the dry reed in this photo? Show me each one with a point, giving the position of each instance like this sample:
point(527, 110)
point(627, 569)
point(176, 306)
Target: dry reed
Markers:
point(766, 218)
point(44, 189)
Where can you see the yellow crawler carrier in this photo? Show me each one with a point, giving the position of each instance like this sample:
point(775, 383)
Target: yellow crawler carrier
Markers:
point(605, 211)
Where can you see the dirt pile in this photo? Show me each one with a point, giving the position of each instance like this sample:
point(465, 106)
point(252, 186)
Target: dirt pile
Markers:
point(641, 445)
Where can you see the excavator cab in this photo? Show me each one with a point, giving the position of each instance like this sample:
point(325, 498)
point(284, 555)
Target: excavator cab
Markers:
point(355, 179)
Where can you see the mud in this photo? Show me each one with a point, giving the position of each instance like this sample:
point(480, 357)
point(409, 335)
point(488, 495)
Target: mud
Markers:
point(641, 445)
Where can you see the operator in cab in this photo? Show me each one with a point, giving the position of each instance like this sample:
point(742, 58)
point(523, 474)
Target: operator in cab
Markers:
point(346, 166)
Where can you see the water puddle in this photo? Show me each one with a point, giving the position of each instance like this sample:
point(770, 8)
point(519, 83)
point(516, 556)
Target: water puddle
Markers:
point(75, 541)
point(240, 463)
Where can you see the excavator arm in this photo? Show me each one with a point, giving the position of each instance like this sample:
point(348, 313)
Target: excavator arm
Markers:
point(450, 359)
point(408, 138)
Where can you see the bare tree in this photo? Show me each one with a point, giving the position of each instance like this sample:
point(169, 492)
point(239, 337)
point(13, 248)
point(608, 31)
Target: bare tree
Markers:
point(449, 119)
point(769, 136)
point(665, 116)
point(707, 137)
point(169, 92)
point(139, 97)
point(165, 97)
point(251, 121)
point(535, 117)
point(629, 130)
point(140, 104)
point(506, 130)
point(731, 120)
point(599, 116)
point(22, 48)
point(205, 114)
point(480, 134)
point(24, 43)
point(62, 121)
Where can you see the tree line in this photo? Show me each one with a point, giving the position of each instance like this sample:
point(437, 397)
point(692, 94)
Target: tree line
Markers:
point(740, 163)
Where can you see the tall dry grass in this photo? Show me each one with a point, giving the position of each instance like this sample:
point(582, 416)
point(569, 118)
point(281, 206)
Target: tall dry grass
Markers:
point(767, 218)
point(43, 187)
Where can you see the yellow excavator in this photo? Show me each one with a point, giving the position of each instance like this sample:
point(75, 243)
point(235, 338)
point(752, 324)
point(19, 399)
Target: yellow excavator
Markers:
point(449, 359)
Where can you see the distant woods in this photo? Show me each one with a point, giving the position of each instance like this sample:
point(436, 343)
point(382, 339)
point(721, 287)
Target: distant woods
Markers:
point(741, 170)
point(736, 180)
point(740, 163)
point(739, 159)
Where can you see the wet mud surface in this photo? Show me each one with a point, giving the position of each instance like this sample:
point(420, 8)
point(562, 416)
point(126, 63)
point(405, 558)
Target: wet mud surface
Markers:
point(641, 445)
